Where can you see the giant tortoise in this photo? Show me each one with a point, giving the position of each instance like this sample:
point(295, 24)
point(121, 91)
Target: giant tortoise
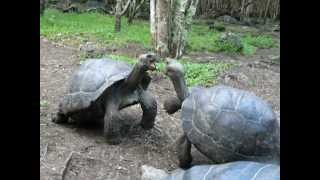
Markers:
point(102, 87)
point(239, 170)
point(224, 123)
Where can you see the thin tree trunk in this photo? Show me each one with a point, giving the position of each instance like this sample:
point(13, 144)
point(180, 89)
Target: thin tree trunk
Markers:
point(182, 23)
point(153, 25)
point(118, 16)
point(266, 12)
point(162, 16)
point(119, 13)
point(133, 9)
point(170, 21)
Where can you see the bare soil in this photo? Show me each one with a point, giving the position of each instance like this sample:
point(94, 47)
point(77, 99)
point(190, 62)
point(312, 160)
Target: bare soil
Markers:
point(72, 152)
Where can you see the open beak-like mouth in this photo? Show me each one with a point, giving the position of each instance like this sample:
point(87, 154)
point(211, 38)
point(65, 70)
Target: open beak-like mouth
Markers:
point(152, 66)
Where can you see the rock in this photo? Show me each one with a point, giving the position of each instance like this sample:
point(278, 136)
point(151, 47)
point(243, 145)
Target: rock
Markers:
point(239, 77)
point(276, 28)
point(121, 168)
point(228, 19)
point(231, 39)
point(88, 47)
point(151, 173)
point(251, 21)
point(216, 26)
point(80, 6)
point(274, 58)
point(219, 28)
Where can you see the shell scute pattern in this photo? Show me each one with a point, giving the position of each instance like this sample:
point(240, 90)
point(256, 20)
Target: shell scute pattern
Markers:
point(92, 79)
point(240, 170)
point(227, 124)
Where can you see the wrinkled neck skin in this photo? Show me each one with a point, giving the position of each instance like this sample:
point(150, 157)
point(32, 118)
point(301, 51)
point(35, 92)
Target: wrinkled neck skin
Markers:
point(180, 86)
point(135, 76)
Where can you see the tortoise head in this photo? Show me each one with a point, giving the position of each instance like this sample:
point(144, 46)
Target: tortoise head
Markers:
point(148, 61)
point(173, 68)
point(175, 72)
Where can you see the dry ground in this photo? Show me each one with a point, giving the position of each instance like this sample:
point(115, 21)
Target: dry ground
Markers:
point(71, 152)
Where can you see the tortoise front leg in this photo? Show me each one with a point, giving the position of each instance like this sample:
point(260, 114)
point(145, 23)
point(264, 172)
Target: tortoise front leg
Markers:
point(112, 124)
point(184, 152)
point(145, 81)
point(149, 108)
point(172, 105)
point(60, 117)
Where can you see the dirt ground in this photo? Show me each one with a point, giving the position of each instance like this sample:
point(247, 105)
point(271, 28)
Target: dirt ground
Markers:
point(72, 152)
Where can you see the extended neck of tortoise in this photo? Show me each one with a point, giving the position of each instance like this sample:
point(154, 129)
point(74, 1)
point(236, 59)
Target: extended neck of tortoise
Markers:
point(135, 76)
point(180, 86)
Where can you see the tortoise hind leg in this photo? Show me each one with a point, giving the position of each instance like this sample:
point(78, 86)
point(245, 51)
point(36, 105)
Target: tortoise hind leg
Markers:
point(149, 108)
point(184, 152)
point(60, 118)
point(112, 124)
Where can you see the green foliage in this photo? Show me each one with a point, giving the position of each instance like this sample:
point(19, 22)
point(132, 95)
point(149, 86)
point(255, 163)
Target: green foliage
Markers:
point(203, 74)
point(126, 59)
point(229, 42)
point(248, 49)
point(74, 29)
point(261, 41)
point(44, 103)
point(220, 27)
point(200, 39)
point(228, 47)
point(196, 73)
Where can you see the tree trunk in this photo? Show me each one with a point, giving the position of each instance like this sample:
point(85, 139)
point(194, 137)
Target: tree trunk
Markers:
point(170, 22)
point(266, 12)
point(182, 19)
point(119, 12)
point(42, 6)
point(117, 24)
point(133, 9)
point(153, 25)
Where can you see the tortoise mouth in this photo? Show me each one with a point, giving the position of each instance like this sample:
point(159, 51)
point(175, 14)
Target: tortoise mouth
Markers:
point(152, 66)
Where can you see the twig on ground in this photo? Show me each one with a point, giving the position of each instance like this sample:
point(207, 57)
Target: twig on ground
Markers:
point(67, 162)
point(44, 164)
point(157, 128)
point(44, 153)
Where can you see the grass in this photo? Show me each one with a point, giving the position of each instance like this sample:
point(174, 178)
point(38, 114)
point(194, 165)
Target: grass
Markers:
point(77, 28)
point(196, 73)
point(44, 103)
point(73, 29)
point(203, 74)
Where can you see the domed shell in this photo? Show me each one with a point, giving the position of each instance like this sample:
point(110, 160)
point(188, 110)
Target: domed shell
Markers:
point(227, 124)
point(92, 78)
point(238, 170)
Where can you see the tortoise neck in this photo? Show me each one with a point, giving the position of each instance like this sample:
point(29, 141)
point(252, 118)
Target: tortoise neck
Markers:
point(180, 86)
point(135, 76)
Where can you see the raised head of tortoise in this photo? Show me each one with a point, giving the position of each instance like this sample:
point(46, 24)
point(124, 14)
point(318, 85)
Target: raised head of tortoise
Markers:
point(100, 88)
point(224, 123)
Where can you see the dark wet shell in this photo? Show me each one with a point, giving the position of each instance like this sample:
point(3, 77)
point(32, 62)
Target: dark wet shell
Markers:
point(241, 170)
point(92, 78)
point(228, 124)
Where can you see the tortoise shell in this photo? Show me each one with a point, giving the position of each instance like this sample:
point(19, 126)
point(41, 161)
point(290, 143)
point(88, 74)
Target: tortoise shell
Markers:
point(227, 124)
